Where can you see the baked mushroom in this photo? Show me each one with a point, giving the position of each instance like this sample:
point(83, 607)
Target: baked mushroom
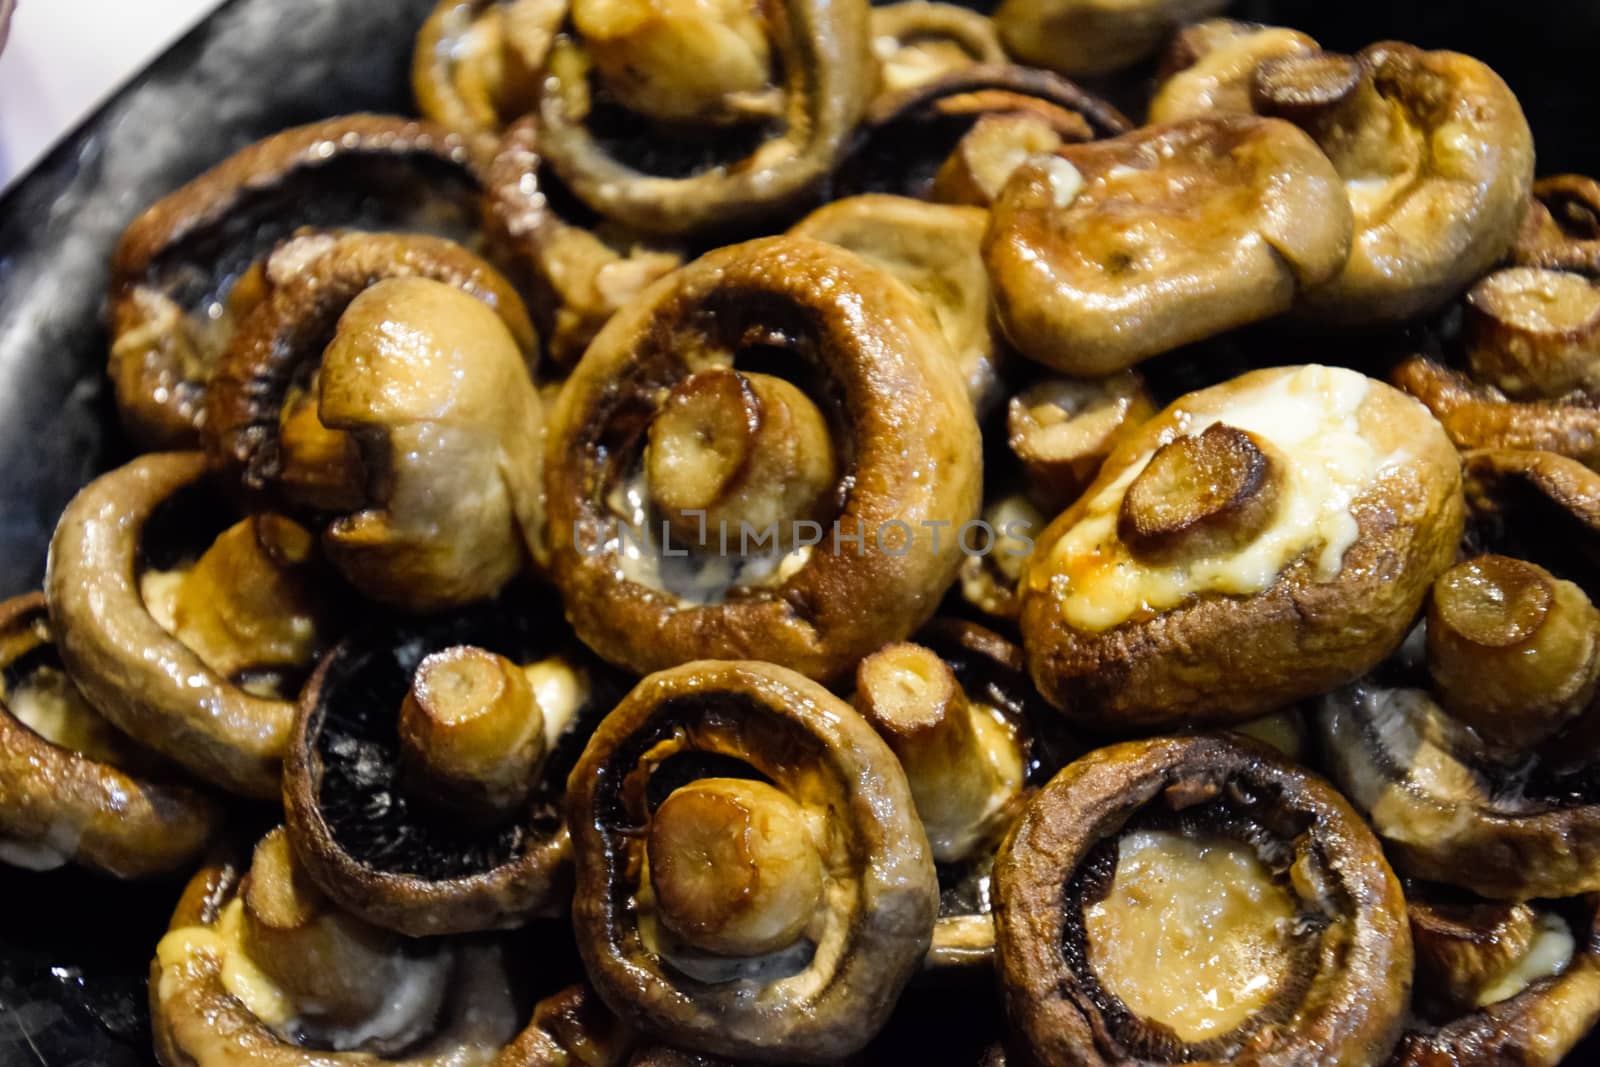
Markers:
point(988, 154)
point(907, 135)
point(1561, 230)
point(915, 41)
point(407, 360)
point(1210, 67)
point(753, 461)
point(975, 740)
point(1104, 254)
point(189, 269)
point(934, 250)
point(1063, 429)
point(264, 969)
point(1501, 983)
point(1092, 38)
point(579, 272)
point(423, 784)
point(572, 1028)
point(1437, 159)
point(73, 789)
point(1198, 899)
point(1536, 505)
point(1534, 333)
point(752, 880)
point(1256, 543)
point(1482, 417)
point(192, 642)
point(776, 90)
point(476, 63)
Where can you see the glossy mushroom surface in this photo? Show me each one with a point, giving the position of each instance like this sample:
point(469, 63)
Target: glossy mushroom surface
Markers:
point(1256, 543)
point(572, 1028)
point(1482, 417)
point(190, 269)
point(1091, 38)
point(656, 421)
point(1561, 230)
point(476, 63)
point(1105, 254)
point(759, 790)
point(1209, 67)
point(73, 789)
point(404, 826)
point(1311, 955)
point(1062, 429)
point(1534, 333)
point(916, 41)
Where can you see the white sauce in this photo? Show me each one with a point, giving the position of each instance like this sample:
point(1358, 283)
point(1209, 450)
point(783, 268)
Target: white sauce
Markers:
point(1547, 957)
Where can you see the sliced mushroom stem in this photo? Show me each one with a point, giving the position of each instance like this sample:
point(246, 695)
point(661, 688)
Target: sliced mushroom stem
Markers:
point(248, 601)
point(1302, 87)
point(1202, 494)
point(329, 965)
point(1534, 333)
point(472, 731)
point(734, 867)
point(729, 448)
point(965, 767)
point(1514, 651)
point(986, 155)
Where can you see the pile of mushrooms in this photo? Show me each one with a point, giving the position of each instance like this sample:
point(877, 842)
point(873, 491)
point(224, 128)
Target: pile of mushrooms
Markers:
point(815, 510)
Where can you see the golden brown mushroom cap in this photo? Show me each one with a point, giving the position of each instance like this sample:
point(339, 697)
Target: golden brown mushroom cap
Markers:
point(1105, 254)
point(1368, 513)
point(1088, 38)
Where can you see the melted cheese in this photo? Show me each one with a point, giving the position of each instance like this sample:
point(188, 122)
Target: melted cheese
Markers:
point(264, 998)
point(1548, 956)
point(1192, 933)
point(561, 690)
point(1311, 416)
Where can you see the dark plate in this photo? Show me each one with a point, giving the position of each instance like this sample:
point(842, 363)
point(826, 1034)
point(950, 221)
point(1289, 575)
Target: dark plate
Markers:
point(73, 950)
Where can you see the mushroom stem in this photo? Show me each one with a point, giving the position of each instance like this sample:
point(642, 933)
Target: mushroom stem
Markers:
point(471, 730)
point(986, 155)
point(729, 449)
point(1513, 650)
point(247, 602)
point(1063, 429)
point(1534, 333)
point(964, 766)
point(734, 867)
point(1202, 494)
point(1300, 88)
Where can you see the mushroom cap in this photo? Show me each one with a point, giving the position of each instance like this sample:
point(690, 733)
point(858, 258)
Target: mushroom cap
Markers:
point(141, 678)
point(475, 63)
point(915, 41)
point(904, 426)
point(382, 852)
point(1349, 1009)
point(1118, 649)
point(881, 888)
point(60, 803)
point(1090, 38)
point(1104, 254)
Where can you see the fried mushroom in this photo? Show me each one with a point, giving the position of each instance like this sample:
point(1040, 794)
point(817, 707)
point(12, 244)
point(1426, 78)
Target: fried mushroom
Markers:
point(1137, 853)
point(1063, 429)
point(791, 83)
point(915, 41)
point(1481, 417)
point(418, 356)
point(265, 970)
point(1092, 38)
point(1210, 67)
point(686, 463)
point(1104, 254)
point(423, 785)
point(1534, 334)
point(752, 881)
point(572, 1028)
point(1561, 230)
point(189, 269)
point(73, 789)
point(1258, 542)
point(196, 658)
point(476, 63)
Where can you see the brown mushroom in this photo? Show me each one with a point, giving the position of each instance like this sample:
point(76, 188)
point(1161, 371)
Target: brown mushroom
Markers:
point(72, 788)
point(934, 250)
point(706, 67)
point(580, 273)
point(422, 788)
point(868, 363)
point(991, 569)
point(1534, 333)
point(1158, 601)
point(722, 808)
point(1481, 417)
point(197, 659)
point(476, 63)
point(572, 1028)
point(1210, 67)
point(1512, 984)
point(264, 970)
point(1091, 38)
point(1105, 254)
point(1137, 855)
point(187, 271)
point(426, 375)
point(988, 154)
point(1536, 505)
point(1063, 429)
point(915, 41)
point(1561, 230)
